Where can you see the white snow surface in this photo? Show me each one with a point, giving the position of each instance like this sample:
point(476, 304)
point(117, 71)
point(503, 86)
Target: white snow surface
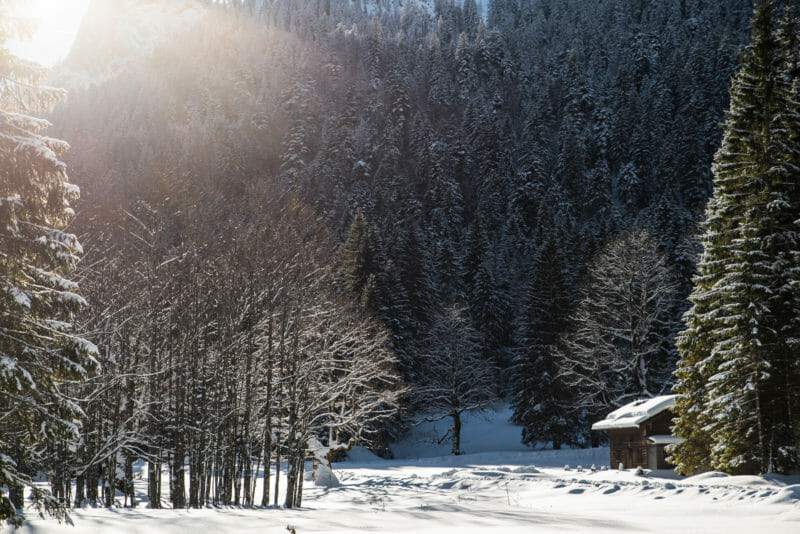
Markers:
point(504, 436)
point(633, 414)
point(498, 486)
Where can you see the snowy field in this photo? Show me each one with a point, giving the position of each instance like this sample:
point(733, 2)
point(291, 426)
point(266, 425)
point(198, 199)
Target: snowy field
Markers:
point(498, 486)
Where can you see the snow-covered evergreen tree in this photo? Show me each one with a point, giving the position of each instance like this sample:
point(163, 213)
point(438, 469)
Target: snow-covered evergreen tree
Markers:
point(736, 386)
point(38, 344)
point(542, 401)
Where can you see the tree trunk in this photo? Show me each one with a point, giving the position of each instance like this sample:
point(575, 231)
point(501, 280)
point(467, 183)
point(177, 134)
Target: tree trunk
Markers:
point(456, 433)
point(267, 454)
point(248, 475)
point(178, 495)
point(207, 479)
point(110, 482)
point(80, 490)
point(130, 491)
point(154, 483)
point(298, 500)
point(195, 479)
point(291, 479)
point(92, 481)
point(277, 468)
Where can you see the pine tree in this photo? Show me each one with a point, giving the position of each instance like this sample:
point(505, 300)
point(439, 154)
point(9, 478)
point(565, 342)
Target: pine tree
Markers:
point(735, 401)
point(491, 311)
point(38, 347)
point(541, 399)
point(360, 262)
point(786, 375)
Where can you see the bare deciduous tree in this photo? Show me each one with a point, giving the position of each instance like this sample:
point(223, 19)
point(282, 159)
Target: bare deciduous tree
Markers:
point(617, 346)
point(454, 378)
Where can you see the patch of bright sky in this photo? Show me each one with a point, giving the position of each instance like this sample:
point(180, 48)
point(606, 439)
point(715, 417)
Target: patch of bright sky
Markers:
point(58, 22)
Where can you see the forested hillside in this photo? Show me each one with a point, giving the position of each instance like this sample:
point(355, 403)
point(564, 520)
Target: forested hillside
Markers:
point(267, 183)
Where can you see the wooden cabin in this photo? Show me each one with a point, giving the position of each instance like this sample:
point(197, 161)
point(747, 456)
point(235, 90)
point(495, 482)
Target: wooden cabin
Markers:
point(639, 432)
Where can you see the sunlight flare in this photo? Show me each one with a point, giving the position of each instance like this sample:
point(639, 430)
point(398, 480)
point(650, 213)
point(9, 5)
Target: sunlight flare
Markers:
point(57, 23)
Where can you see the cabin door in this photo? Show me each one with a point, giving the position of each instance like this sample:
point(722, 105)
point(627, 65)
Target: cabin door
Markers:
point(652, 456)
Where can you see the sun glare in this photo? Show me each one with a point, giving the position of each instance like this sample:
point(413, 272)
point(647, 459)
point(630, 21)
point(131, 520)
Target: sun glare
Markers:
point(57, 24)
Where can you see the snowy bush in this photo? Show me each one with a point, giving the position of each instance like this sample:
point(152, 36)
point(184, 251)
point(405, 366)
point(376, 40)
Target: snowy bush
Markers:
point(325, 478)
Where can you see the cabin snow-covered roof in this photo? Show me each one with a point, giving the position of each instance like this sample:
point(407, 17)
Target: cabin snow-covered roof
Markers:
point(664, 439)
point(633, 414)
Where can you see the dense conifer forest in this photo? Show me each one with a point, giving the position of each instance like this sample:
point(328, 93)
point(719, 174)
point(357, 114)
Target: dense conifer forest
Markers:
point(326, 220)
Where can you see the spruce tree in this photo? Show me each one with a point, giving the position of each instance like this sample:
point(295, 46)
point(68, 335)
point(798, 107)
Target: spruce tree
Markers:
point(541, 399)
point(733, 406)
point(38, 347)
point(359, 261)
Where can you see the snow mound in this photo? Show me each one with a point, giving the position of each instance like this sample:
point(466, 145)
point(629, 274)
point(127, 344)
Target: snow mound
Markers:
point(706, 476)
point(359, 454)
point(788, 495)
point(752, 480)
point(529, 469)
point(325, 478)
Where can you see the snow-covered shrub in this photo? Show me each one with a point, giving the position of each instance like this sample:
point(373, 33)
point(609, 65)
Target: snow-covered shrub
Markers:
point(325, 478)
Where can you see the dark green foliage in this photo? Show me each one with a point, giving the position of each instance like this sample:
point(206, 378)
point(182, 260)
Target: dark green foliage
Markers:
point(359, 262)
point(737, 410)
point(542, 402)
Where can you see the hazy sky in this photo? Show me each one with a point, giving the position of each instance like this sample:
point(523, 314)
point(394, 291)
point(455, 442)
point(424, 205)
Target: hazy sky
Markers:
point(58, 25)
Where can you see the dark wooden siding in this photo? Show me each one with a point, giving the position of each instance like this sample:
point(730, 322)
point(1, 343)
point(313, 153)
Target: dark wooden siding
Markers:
point(659, 424)
point(629, 445)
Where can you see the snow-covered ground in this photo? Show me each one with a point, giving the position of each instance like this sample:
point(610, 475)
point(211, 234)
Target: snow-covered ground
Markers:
point(498, 486)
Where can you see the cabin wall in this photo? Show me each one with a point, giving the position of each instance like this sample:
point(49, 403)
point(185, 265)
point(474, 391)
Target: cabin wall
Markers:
point(659, 424)
point(629, 446)
point(657, 457)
